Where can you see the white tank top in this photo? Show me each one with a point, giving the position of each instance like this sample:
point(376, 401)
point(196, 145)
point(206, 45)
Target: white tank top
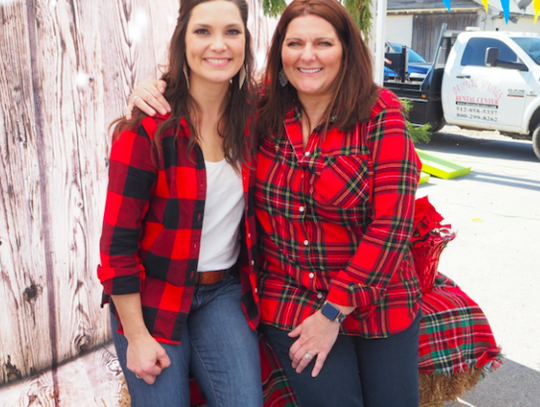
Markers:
point(223, 210)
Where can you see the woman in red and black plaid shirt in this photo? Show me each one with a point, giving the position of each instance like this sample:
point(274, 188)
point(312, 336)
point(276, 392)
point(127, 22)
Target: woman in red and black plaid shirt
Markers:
point(177, 253)
point(336, 180)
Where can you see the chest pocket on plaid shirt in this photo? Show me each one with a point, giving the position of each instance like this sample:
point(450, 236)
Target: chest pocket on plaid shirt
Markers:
point(345, 182)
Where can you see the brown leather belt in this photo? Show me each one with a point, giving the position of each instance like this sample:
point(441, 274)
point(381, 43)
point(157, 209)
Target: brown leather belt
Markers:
point(210, 277)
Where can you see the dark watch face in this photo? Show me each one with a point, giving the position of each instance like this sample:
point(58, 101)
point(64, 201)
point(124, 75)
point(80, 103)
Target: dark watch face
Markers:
point(330, 312)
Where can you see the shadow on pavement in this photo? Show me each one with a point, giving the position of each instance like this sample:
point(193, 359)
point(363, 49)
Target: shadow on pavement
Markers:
point(505, 180)
point(512, 385)
point(481, 147)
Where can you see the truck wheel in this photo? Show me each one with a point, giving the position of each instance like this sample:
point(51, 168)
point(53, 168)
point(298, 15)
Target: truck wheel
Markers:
point(536, 141)
point(436, 128)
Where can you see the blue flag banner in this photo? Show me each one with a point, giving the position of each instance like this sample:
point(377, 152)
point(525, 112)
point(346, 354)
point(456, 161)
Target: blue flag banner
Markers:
point(447, 4)
point(506, 9)
point(505, 4)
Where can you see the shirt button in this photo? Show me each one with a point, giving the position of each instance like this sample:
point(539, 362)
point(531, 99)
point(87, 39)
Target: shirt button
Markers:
point(249, 235)
point(306, 242)
point(307, 153)
point(252, 262)
point(301, 209)
point(311, 275)
point(256, 291)
point(319, 296)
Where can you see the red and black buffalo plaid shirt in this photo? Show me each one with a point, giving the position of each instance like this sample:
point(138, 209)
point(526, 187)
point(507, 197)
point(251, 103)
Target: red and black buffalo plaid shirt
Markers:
point(335, 223)
point(152, 227)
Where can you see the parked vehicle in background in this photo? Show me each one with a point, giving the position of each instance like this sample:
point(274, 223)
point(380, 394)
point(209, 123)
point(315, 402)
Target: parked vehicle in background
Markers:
point(480, 80)
point(418, 67)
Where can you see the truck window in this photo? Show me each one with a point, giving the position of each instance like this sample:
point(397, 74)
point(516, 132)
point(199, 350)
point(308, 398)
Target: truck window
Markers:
point(475, 52)
point(531, 45)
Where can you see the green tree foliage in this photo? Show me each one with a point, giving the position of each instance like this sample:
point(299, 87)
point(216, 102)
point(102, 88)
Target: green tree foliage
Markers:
point(419, 134)
point(360, 10)
point(273, 8)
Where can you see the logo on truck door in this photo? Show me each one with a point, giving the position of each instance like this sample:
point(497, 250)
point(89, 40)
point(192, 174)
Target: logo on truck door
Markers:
point(477, 100)
point(516, 93)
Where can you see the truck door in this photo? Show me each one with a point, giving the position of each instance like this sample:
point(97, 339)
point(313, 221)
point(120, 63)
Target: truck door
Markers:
point(487, 97)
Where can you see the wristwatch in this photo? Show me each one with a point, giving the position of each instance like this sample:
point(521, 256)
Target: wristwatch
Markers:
point(332, 313)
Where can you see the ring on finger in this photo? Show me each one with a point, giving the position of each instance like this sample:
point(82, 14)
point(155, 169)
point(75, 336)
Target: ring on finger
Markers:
point(307, 356)
point(134, 98)
point(138, 377)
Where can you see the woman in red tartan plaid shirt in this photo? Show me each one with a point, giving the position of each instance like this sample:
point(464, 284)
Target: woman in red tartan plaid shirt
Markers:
point(336, 180)
point(177, 256)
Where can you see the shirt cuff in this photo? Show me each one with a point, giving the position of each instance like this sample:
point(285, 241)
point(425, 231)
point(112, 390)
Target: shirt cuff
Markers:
point(130, 282)
point(345, 291)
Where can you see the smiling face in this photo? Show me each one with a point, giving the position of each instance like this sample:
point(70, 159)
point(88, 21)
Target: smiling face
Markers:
point(215, 43)
point(311, 56)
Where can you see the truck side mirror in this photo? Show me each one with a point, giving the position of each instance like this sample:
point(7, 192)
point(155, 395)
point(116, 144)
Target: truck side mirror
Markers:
point(492, 56)
point(492, 59)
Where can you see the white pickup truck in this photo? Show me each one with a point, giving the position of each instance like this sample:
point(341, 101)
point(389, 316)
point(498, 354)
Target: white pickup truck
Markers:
point(484, 80)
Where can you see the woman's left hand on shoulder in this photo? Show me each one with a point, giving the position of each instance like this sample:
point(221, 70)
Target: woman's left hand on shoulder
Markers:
point(316, 337)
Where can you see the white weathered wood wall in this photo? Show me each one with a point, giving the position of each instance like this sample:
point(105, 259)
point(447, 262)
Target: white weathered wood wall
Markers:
point(67, 68)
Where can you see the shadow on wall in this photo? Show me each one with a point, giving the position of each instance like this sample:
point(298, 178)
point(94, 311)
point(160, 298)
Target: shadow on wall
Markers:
point(512, 385)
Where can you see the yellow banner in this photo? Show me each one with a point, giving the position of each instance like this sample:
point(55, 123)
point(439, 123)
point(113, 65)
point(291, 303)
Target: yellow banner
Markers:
point(536, 9)
point(486, 3)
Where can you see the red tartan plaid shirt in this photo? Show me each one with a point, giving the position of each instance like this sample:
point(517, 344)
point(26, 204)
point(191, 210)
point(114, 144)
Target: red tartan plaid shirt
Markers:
point(152, 227)
point(336, 220)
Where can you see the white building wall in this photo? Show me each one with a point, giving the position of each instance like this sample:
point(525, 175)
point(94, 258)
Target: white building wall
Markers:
point(524, 24)
point(399, 29)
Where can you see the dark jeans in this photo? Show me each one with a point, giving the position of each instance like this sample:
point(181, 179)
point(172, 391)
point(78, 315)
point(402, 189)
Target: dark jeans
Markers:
point(358, 372)
point(218, 347)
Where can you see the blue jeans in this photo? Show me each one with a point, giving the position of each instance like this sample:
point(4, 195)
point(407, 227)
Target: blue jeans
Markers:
point(358, 372)
point(218, 347)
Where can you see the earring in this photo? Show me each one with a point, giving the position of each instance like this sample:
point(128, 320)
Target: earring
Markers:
point(241, 77)
point(186, 74)
point(283, 80)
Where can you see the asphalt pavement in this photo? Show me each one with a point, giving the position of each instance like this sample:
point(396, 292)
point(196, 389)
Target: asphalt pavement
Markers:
point(495, 211)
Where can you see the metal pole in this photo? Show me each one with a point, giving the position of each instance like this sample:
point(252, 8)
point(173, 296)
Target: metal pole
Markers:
point(379, 42)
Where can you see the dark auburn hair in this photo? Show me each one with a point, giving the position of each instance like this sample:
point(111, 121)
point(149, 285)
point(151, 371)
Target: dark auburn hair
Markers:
point(237, 114)
point(355, 92)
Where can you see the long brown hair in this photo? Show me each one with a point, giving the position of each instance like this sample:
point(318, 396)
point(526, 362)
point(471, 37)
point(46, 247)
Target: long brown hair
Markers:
point(355, 91)
point(239, 108)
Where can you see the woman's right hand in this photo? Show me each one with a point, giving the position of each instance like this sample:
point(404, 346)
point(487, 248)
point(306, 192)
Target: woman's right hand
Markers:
point(148, 96)
point(146, 357)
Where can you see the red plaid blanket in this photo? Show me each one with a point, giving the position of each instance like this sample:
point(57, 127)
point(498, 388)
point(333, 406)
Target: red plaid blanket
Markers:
point(454, 336)
point(454, 333)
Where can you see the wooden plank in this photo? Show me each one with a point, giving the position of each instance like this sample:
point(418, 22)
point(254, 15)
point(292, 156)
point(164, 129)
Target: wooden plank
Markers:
point(427, 29)
point(67, 71)
point(92, 380)
point(24, 315)
point(58, 97)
